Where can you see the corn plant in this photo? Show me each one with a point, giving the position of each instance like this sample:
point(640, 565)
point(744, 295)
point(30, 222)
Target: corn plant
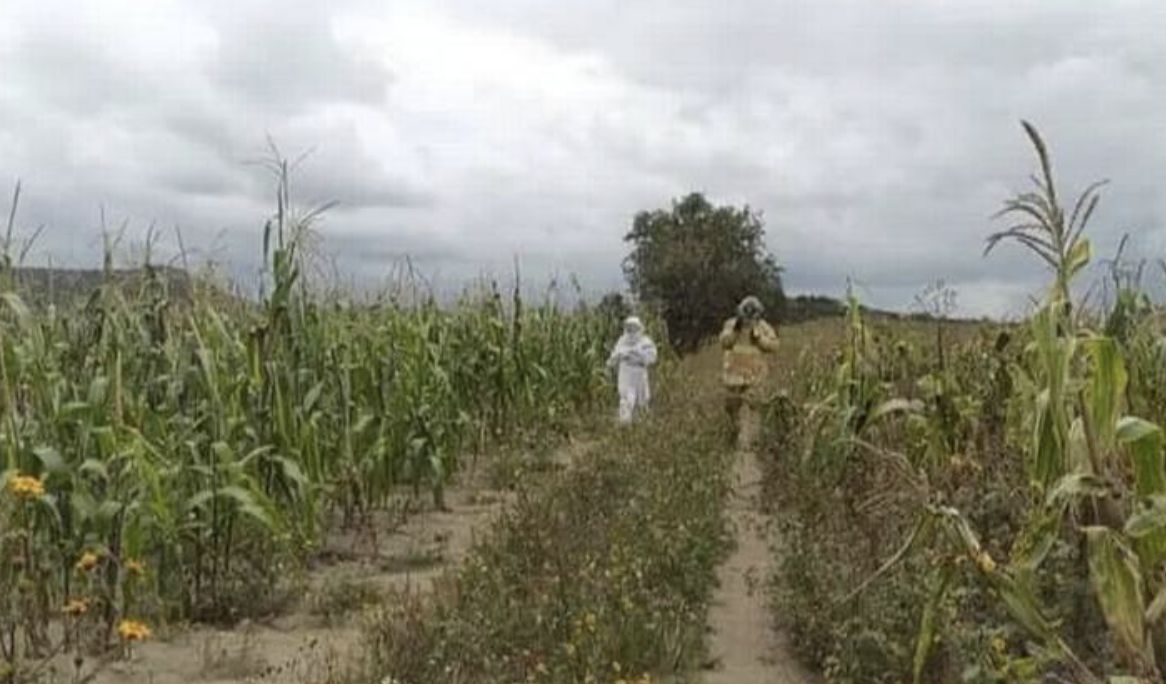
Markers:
point(1084, 448)
point(175, 452)
point(1095, 472)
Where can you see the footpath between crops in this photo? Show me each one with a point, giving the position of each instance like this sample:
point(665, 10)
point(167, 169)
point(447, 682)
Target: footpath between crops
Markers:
point(743, 645)
point(640, 558)
point(319, 629)
point(603, 573)
point(646, 562)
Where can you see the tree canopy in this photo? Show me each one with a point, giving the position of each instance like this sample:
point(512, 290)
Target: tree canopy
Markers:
point(695, 261)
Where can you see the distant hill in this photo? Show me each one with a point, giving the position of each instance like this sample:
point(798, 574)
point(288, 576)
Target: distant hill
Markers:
point(40, 286)
point(802, 308)
point(810, 307)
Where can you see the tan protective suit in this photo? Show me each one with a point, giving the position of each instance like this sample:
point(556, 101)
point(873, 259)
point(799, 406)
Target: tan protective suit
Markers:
point(746, 366)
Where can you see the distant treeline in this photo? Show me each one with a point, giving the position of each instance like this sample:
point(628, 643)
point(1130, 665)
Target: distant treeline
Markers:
point(802, 308)
point(41, 286)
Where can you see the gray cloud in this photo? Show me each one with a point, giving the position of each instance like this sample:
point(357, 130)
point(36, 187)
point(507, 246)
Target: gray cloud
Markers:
point(287, 59)
point(876, 138)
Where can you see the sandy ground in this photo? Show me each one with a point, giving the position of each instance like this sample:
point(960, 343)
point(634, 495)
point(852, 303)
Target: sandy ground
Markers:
point(743, 645)
point(302, 645)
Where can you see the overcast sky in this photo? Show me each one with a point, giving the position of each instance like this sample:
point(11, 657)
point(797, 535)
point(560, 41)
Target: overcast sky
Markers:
point(876, 137)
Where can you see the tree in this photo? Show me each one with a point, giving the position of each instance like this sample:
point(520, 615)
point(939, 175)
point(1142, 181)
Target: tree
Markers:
point(613, 309)
point(695, 261)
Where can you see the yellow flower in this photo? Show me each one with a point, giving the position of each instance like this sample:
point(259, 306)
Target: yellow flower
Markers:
point(26, 487)
point(134, 567)
point(132, 630)
point(88, 561)
point(984, 560)
point(999, 645)
point(589, 620)
point(76, 607)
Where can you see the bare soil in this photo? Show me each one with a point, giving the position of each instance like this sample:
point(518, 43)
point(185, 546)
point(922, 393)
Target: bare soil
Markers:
point(743, 644)
point(318, 633)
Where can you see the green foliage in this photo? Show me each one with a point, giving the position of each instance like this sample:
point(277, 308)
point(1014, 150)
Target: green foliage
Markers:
point(210, 442)
point(696, 261)
point(1044, 227)
point(602, 573)
point(1116, 576)
point(1038, 461)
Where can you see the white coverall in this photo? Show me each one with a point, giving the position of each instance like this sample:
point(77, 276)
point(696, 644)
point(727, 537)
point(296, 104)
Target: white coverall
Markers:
point(633, 353)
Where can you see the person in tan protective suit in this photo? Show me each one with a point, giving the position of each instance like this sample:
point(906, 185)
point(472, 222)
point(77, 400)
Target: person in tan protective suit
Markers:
point(747, 340)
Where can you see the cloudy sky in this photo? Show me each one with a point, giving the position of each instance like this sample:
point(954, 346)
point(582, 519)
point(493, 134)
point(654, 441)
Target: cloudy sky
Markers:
point(876, 137)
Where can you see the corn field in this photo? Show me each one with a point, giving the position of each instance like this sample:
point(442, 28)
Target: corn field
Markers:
point(171, 457)
point(1006, 482)
point(960, 502)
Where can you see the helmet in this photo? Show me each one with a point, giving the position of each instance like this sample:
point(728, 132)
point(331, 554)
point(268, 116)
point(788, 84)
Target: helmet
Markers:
point(750, 308)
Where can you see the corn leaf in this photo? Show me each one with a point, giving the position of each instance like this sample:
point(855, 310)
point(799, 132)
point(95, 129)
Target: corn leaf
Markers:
point(1156, 607)
point(892, 406)
point(1024, 607)
point(928, 623)
point(1106, 388)
point(1048, 447)
point(1078, 257)
point(1143, 442)
point(1073, 486)
point(1149, 518)
point(1117, 583)
point(50, 459)
point(1036, 540)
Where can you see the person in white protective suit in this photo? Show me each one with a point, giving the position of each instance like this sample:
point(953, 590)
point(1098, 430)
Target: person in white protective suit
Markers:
point(634, 352)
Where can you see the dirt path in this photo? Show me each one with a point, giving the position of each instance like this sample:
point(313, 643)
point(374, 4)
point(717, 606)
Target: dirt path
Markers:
point(743, 645)
point(311, 639)
point(318, 633)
